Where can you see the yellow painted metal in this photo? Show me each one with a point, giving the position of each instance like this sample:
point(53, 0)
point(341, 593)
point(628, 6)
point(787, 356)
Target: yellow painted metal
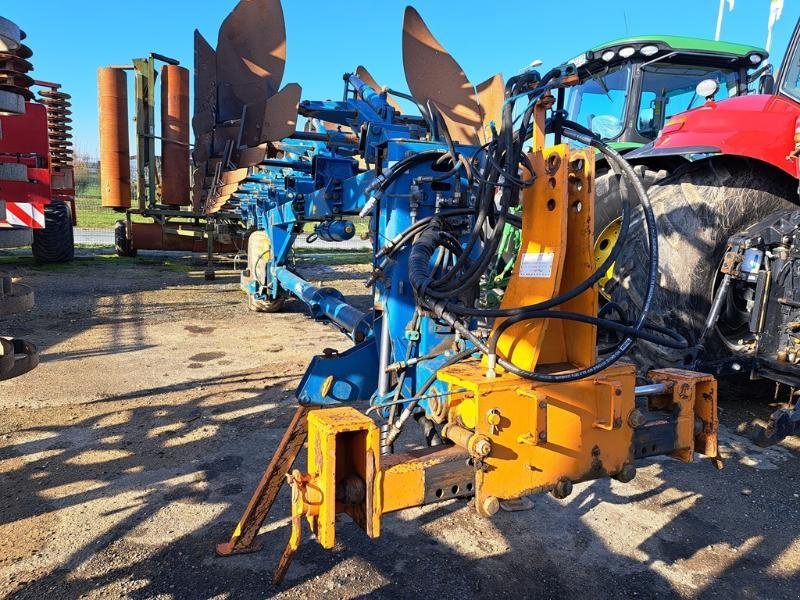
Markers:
point(405, 479)
point(557, 215)
point(696, 396)
point(602, 248)
point(343, 448)
point(298, 483)
point(548, 432)
point(572, 342)
point(342, 443)
point(542, 252)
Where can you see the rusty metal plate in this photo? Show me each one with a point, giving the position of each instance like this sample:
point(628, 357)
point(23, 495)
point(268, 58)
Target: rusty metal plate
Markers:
point(251, 50)
point(250, 157)
point(432, 74)
point(233, 177)
point(366, 77)
point(205, 85)
point(491, 96)
point(280, 114)
point(202, 148)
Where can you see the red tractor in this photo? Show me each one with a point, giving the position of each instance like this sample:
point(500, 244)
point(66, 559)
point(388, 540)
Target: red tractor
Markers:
point(725, 197)
point(37, 190)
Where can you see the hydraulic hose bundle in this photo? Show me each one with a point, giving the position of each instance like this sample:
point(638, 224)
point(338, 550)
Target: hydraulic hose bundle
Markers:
point(447, 288)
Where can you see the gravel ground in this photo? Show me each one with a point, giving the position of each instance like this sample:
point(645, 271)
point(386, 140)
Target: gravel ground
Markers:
point(134, 446)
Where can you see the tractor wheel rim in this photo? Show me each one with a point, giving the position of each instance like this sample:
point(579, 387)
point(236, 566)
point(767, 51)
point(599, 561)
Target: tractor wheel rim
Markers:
point(603, 246)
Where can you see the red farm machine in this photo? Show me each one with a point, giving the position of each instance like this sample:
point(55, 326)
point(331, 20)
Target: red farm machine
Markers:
point(37, 189)
point(36, 183)
point(726, 200)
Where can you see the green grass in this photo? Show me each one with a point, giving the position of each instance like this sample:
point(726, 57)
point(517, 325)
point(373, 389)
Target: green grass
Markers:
point(90, 212)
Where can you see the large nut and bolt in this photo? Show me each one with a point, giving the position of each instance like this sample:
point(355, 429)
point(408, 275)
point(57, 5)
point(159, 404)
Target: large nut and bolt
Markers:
point(489, 506)
point(482, 447)
point(636, 418)
point(562, 489)
point(626, 474)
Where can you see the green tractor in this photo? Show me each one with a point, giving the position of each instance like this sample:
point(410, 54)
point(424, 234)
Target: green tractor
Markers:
point(629, 88)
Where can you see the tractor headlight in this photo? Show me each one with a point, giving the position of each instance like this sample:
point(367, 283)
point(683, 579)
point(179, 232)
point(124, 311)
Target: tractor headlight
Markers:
point(608, 55)
point(649, 50)
point(627, 51)
point(756, 59)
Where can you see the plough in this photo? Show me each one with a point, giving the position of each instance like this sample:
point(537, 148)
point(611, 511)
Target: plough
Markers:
point(509, 385)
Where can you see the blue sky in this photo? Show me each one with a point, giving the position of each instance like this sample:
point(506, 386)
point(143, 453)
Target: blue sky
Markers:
point(327, 38)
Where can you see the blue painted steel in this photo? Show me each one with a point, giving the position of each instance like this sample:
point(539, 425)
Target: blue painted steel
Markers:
point(353, 373)
point(324, 179)
point(327, 304)
point(335, 231)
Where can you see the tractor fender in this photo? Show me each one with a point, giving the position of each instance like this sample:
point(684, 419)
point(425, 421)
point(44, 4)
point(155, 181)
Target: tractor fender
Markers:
point(758, 127)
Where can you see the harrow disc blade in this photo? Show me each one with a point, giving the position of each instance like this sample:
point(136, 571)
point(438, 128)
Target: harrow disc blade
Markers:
point(198, 193)
point(233, 177)
point(10, 35)
point(432, 74)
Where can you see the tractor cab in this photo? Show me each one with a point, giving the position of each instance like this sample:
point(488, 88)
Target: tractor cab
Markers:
point(630, 87)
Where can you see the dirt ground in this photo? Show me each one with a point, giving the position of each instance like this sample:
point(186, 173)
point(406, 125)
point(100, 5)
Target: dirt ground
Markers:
point(133, 448)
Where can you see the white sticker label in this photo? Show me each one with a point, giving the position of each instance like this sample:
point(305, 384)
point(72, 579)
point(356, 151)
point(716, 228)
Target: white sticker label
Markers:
point(536, 264)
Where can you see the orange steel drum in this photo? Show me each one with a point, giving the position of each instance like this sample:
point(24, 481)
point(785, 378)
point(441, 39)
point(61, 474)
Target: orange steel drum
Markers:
point(175, 170)
point(115, 168)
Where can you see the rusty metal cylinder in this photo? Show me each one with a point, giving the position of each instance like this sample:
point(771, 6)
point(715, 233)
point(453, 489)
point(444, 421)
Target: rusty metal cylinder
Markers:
point(115, 166)
point(175, 171)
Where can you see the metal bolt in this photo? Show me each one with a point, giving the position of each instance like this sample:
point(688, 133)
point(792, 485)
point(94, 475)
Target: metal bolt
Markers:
point(636, 419)
point(483, 448)
point(542, 404)
point(563, 489)
point(490, 506)
point(626, 474)
point(542, 435)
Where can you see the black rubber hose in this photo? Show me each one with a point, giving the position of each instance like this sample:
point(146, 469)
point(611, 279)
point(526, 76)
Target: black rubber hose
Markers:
point(625, 345)
point(566, 296)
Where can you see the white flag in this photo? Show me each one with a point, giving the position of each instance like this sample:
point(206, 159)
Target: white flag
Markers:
point(775, 12)
point(730, 4)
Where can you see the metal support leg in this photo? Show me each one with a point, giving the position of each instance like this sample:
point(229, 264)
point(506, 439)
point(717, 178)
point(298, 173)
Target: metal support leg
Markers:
point(209, 273)
point(267, 490)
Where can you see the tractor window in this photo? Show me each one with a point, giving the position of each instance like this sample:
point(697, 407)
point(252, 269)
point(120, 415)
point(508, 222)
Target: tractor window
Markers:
point(791, 82)
point(669, 89)
point(599, 103)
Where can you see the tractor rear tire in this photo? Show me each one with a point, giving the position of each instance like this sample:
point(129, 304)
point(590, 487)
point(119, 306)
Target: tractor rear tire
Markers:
point(54, 243)
point(696, 209)
point(608, 195)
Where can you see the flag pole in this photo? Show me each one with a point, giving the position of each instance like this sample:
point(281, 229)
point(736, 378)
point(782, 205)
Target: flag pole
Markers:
point(719, 19)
